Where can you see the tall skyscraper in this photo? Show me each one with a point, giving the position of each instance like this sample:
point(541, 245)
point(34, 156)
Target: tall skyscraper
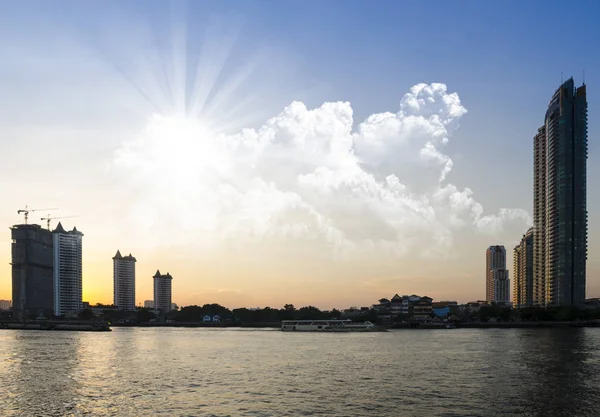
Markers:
point(32, 261)
point(560, 200)
point(523, 272)
point(162, 291)
point(539, 217)
point(496, 276)
point(67, 271)
point(124, 281)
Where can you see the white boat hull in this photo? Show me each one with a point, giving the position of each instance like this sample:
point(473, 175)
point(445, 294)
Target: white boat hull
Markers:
point(325, 326)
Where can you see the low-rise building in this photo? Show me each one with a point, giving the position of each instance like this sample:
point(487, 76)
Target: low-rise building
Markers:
point(401, 308)
point(5, 304)
point(474, 306)
point(422, 309)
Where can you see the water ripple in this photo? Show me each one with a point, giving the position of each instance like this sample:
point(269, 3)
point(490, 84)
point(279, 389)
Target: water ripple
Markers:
point(196, 372)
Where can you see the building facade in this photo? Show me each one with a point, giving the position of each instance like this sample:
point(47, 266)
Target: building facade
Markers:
point(560, 200)
point(539, 217)
point(401, 308)
point(523, 289)
point(32, 264)
point(5, 304)
point(148, 303)
point(67, 271)
point(162, 291)
point(497, 283)
point(124, 281)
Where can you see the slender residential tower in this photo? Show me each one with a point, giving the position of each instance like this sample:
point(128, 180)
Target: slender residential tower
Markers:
point(67, 271)
point(124, 281)
point(162, 291)
point(523, 272)
point(496, 276)
point(560, 200)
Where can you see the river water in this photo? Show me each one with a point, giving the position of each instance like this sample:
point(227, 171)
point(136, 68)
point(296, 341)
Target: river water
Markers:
point(235, 372)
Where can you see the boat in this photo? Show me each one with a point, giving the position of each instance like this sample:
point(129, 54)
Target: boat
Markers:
point(325, 326)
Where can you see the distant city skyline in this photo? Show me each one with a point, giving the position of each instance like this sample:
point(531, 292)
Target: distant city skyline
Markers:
point(262, 164)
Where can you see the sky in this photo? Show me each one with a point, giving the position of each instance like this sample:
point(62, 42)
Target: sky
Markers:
point(305, 152)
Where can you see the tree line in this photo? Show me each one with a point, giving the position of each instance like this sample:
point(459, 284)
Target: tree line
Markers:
point(195, 313)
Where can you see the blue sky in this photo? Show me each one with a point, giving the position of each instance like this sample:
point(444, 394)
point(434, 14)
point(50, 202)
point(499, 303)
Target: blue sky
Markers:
point(503, 58)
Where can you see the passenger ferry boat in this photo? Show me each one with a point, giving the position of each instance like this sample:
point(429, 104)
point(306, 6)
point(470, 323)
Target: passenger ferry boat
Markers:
point(325, 326)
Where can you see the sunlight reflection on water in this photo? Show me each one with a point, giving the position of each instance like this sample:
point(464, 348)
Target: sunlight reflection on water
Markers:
point(228, 372)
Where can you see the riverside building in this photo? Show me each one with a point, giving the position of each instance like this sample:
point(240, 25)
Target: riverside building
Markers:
point(124, 281)
point(497, 282)
point(67, 271)
point(32, 279)
point(560, 200)
point(162, 291)
point(523, 272)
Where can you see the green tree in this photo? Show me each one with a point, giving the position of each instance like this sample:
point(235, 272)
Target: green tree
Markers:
point(335, 314)
point(288, 312)
point(144, 315)
point(310, 312)
point(86, 314)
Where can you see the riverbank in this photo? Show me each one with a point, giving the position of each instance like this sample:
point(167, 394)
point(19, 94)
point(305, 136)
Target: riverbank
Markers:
point(57, 325)
point(530, 324)
point(499, 325)
point(258, 325)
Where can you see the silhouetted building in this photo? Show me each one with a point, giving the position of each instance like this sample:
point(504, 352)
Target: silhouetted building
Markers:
point(497, 284)
point(162, 291)
point(32, 262)
point(124, 281)
point(67, 271)
point(5, 304)
point(523, 272)
point(560, 200)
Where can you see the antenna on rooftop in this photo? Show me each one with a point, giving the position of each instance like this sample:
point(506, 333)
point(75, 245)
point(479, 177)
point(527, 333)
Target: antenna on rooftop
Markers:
point(561, 78)
point(583, 73)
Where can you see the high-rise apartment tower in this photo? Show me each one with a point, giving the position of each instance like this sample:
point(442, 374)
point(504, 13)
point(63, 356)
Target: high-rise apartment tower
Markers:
point(496, 276)
point(523, 272)
point(560, 200)
point(67, 271)
point(162, 291)
point(124, 281)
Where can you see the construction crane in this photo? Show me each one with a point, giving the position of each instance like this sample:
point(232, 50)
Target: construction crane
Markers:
point(27, 210)
point(48, 219)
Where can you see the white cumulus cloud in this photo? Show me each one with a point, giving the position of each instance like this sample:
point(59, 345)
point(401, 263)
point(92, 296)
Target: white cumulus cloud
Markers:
point(308, 174)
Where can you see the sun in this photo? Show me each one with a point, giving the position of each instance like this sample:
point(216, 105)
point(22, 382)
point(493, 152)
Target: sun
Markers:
point(177, 167)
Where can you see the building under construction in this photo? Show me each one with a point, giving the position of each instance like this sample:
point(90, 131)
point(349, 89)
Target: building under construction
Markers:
point(32, 271)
